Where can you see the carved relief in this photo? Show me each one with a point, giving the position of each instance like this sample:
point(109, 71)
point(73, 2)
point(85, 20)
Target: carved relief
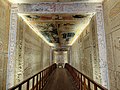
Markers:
point(94, 52)
point(12, 46)
point(81, 53)
point(112, 20)
point(115, 10)
point(54, 7)
point(19, 53)
point(1, 46)
point(102, 48)
point(116, 46)
point(118, 80)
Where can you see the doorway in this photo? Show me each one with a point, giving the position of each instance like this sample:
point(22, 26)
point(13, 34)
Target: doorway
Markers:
point(60, 58)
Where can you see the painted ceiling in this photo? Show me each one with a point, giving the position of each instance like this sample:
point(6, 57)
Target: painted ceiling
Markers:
point(57, 29)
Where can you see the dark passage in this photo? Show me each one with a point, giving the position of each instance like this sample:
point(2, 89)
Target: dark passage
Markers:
point(60, 79)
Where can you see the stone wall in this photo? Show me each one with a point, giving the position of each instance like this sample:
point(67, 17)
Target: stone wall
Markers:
point(4, 32)
point(45, 54)
point(32, 53)
point(60, 57)
point(85, 52)
point(112, 29)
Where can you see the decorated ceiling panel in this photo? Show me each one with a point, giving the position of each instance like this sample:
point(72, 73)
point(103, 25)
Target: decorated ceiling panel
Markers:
point(57, 29)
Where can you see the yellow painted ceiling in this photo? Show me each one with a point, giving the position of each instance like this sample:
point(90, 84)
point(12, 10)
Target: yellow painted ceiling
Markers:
point(57, 29)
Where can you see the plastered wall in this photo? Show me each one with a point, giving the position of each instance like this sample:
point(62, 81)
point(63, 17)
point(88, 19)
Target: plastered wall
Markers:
point(112, 29)
point(85, 52)
point(32, 53)
point(60, 57)
point(4, 32)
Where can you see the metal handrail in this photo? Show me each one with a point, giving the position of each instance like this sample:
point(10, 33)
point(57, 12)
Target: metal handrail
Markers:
point(82, 81)
point(38, 80)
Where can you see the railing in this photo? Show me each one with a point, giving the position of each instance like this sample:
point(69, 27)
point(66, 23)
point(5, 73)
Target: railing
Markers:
point(83, 82)
point(37, 81)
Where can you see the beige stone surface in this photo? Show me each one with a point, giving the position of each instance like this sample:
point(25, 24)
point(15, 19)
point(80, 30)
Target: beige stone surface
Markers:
point(60, 57)
point(4, 31)
point(84, 53)
point(116, 46)
point(32, 53)
point(111, 63)
point(118, 80)
point(112, 28)
point(112, 75)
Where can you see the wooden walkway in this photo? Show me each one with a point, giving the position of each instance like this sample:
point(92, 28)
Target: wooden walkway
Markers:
point(60, 79)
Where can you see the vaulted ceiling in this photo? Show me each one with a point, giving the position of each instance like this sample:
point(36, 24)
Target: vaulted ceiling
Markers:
point(57, 29)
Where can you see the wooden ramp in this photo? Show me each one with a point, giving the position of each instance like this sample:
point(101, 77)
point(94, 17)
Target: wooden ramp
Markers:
point(60, 79)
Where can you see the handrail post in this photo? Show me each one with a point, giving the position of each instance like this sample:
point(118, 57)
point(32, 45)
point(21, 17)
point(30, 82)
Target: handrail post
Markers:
point(40, 81)
point(88, 84)
point(28, 85)
point(95, 87)
point(79, 82)
point(33, 83)
point(37, 83)
point(20, 87)
point(82, 81)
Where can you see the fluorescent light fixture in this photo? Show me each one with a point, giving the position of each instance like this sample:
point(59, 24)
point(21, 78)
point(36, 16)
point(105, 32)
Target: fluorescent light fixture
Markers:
point(35, 30)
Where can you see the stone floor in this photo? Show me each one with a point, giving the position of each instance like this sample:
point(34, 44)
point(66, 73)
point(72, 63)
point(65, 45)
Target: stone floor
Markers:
point(60, 80)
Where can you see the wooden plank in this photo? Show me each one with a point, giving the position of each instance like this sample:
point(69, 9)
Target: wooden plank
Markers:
point(60, 80)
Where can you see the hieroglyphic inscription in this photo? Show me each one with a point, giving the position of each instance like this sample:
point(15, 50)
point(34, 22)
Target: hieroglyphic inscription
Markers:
point(12, 46)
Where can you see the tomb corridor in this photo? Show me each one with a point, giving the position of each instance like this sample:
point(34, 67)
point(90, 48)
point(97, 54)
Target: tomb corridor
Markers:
point(59, 44)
